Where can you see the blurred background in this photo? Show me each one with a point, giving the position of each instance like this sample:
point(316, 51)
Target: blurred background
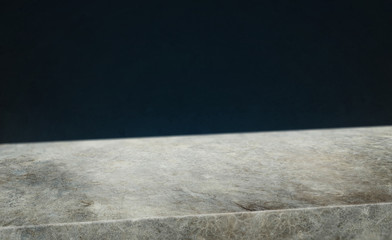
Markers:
point(106, 69)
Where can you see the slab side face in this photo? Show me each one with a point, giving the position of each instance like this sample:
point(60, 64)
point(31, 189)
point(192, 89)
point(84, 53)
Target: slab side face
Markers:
point(65, 182)
point(360, 222)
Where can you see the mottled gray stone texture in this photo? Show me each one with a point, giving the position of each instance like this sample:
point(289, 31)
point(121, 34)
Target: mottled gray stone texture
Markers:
point(365, 222)
point(106, 180)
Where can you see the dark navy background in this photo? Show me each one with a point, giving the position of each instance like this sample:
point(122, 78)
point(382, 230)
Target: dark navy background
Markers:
point(105, 69)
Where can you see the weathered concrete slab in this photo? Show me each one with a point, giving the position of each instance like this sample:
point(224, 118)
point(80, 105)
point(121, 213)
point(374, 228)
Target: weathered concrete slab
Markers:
point(87, 181)
point(365, 222)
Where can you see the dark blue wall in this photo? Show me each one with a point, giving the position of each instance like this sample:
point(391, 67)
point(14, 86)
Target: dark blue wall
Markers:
point(79, 70)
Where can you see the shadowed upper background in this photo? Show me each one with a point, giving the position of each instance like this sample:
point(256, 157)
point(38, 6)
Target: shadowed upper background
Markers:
point(106, 69)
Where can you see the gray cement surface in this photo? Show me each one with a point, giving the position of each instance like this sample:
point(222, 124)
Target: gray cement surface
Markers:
point(105, 180)
point(361, 222)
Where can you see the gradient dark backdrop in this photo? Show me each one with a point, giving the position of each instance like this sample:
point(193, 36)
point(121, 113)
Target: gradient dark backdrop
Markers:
point(104, 69)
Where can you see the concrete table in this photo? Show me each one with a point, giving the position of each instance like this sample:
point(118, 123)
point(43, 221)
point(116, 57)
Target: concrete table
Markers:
point(320, 184)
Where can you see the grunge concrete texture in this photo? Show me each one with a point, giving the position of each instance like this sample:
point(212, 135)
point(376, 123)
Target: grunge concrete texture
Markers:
point(191, 176)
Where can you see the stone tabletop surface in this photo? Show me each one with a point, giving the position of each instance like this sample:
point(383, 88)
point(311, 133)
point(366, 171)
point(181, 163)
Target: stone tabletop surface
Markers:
point(77, 181)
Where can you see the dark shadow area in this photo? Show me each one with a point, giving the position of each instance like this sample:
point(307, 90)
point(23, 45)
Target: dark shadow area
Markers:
point(104, 69)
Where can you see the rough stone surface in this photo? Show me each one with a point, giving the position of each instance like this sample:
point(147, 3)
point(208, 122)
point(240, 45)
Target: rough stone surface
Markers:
point(86, 181)
point(364, 222)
